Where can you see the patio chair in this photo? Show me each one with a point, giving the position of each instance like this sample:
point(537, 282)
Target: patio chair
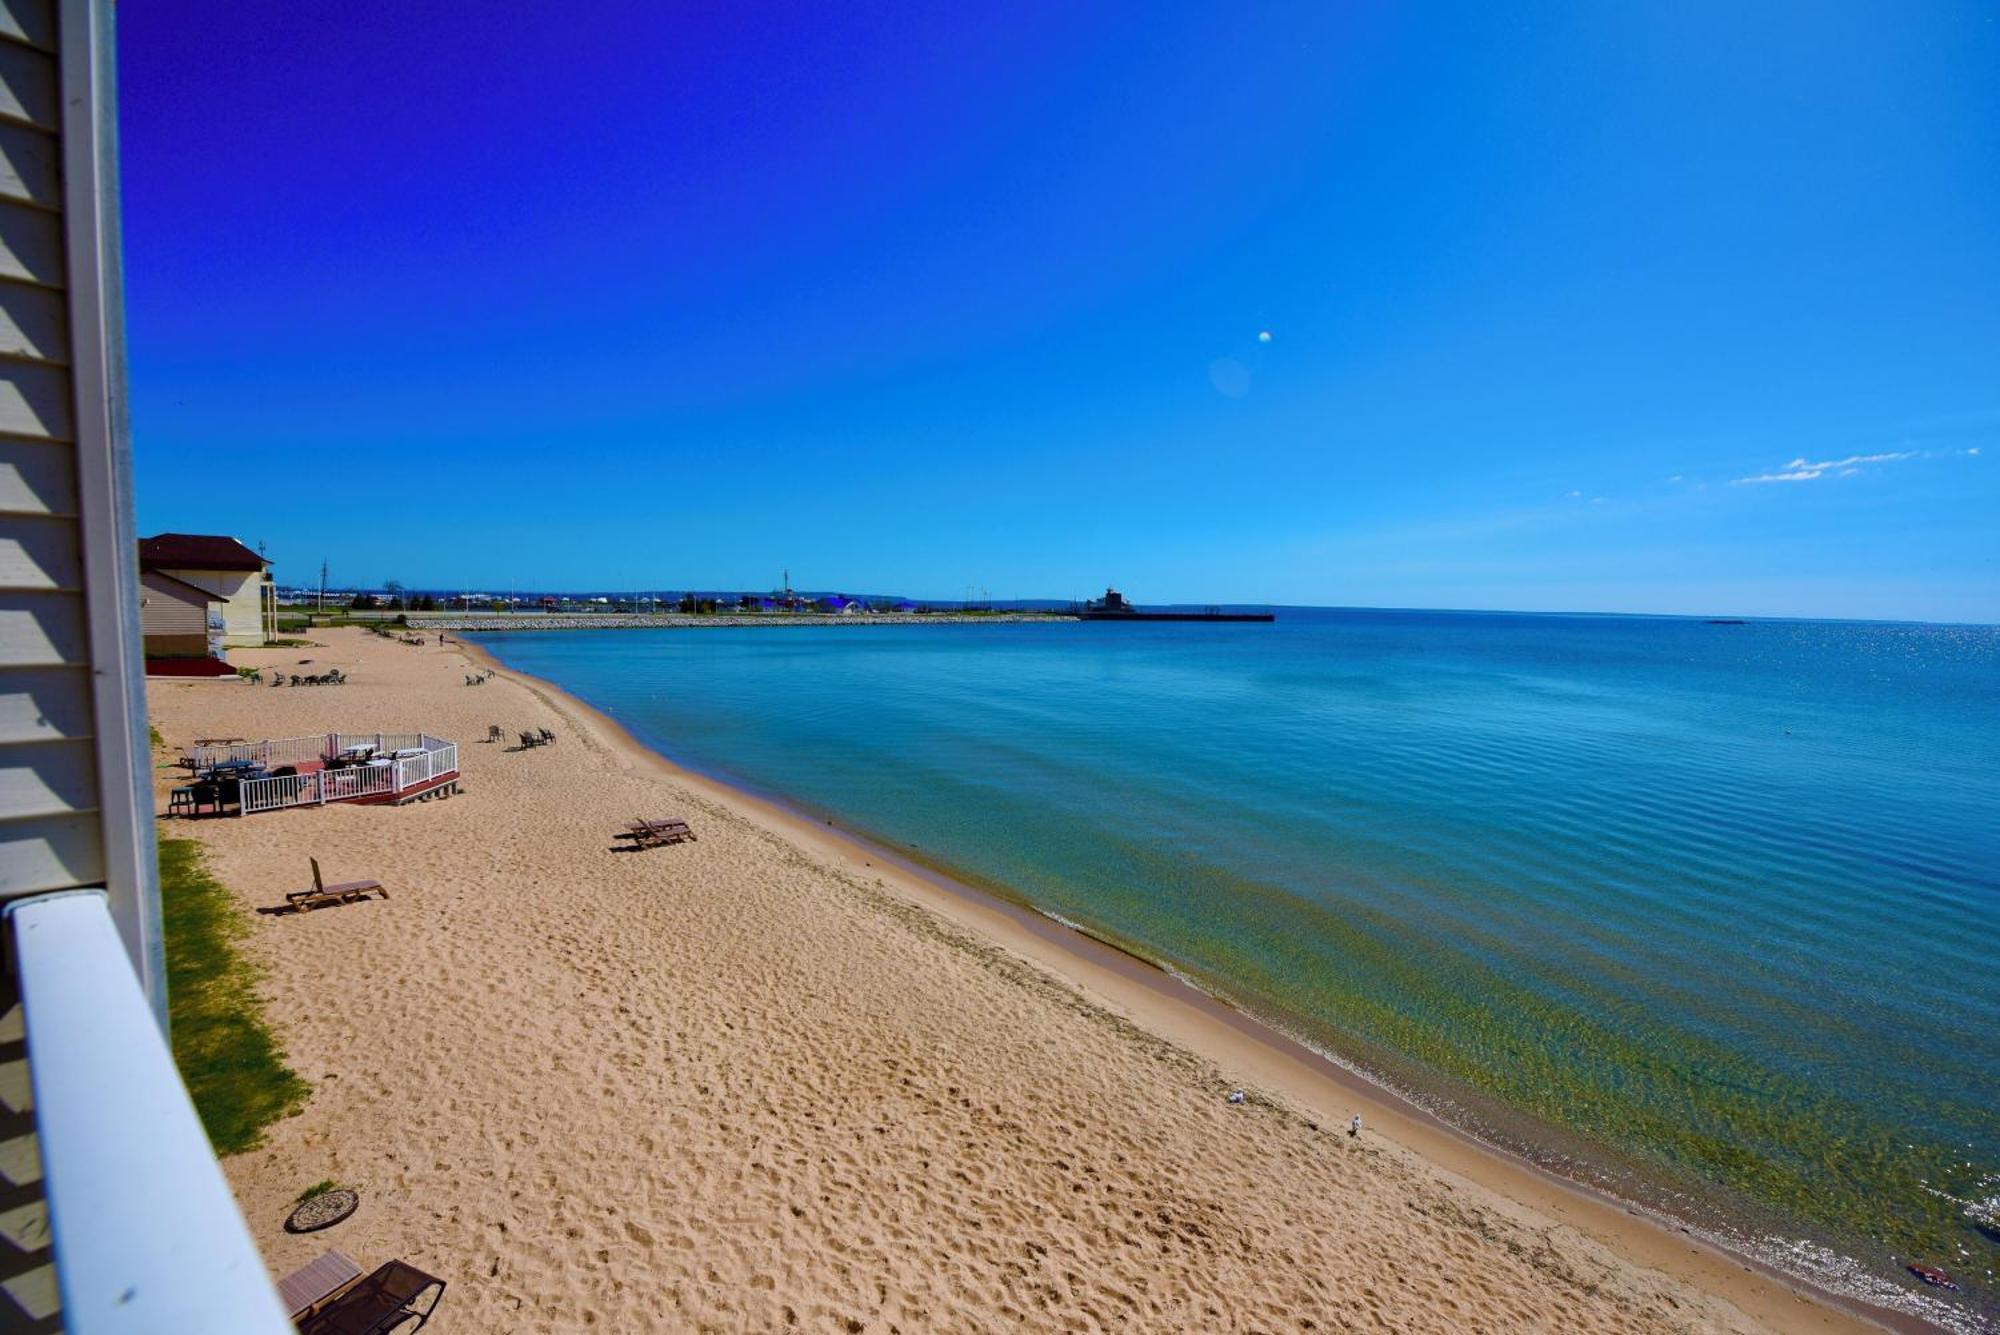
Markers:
point(330, 1296)
point(322, 894)
point(656, 833)
point(548, 736)
point(530, 739)
point(494, 732)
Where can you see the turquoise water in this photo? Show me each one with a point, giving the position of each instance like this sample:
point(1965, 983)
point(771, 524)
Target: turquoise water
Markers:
point(1709, 914)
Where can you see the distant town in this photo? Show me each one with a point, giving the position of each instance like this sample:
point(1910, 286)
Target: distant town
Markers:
point(394, 598)
point(202, 594)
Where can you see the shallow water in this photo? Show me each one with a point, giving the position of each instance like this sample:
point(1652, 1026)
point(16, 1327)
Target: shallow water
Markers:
point(1709, 914)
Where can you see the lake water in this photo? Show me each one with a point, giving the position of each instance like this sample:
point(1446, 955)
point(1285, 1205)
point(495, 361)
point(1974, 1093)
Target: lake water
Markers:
point(1707, 914)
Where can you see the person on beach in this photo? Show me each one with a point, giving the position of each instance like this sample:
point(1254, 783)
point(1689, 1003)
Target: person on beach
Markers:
point(1354, 1127)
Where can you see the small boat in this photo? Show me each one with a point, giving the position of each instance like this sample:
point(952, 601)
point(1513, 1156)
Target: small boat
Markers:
point(1933, 1276)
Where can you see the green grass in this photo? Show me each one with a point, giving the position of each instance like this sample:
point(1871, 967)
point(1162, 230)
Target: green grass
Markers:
point(319, 1188)
point(227, 1054)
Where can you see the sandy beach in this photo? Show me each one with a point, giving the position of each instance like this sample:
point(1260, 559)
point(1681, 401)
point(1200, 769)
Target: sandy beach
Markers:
point(772, 1079)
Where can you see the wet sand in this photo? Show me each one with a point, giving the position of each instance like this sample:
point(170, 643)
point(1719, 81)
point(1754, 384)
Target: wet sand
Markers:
point(775, 1078)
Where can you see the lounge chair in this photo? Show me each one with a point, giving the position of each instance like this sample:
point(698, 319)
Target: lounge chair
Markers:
point(655, 833)
point(530, 739)
point(322, 894)
point(330, 1296)
point(548, 736)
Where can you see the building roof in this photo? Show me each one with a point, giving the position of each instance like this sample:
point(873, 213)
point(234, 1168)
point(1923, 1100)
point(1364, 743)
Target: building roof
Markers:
point(196, 551)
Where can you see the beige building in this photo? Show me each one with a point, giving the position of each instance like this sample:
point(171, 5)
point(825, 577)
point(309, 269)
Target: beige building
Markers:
point(223, 567)
point(178, 620)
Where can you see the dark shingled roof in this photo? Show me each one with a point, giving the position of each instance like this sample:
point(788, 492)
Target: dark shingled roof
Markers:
point(196, 551)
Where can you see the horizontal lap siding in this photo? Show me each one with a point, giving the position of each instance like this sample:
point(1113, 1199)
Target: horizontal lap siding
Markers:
point(52, 825)
point(49, 835)
point(165, 610)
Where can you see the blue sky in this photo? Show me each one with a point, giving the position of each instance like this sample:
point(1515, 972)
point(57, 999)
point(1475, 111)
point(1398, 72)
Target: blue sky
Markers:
point(1595, 307)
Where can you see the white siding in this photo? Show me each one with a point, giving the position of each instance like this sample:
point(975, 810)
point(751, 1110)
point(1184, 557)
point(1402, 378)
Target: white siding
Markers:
point(48, 771)
point(75, 801)
point(167, 610)
point(239, 592)
point(50, 833)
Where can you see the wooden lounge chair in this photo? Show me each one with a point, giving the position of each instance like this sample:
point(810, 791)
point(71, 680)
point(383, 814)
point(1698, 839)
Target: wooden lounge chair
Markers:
point(330, 1296)
point(315, 1282)
point(530, 739)
point(655, 833)
point(322, 894)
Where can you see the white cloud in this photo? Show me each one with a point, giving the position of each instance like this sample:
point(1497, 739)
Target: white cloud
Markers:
point(1572, 495)
point(1797, 475)
point(1805, 470)
point(1894, 456)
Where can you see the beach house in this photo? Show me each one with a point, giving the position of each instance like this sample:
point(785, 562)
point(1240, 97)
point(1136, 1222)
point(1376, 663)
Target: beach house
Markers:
point(179, 623)
point(237, 577)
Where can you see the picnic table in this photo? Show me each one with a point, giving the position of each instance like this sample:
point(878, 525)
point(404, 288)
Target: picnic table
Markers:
point(222, 785)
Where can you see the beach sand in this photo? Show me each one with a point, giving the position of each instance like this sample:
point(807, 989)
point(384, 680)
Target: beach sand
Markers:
point(772, 1080)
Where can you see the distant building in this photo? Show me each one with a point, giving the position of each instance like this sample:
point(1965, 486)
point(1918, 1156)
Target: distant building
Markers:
point(1112, 601)
point(224, 567)
point(177, 619)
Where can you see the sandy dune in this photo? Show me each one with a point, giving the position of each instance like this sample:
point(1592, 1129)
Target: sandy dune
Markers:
point(755, 1082)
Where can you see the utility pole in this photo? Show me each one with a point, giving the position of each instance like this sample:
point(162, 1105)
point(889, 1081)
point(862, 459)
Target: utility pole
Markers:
point(267, 597)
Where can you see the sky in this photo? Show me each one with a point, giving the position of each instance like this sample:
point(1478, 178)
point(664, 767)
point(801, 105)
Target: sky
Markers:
point(1646, 308)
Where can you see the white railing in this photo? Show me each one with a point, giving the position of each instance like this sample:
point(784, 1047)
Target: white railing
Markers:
point(298, 750)
point(337, 785)
point(284, 751)
point(381, 741)
point(118, 1138)
point(414, 770)
point(436, 759)
point(284, 790)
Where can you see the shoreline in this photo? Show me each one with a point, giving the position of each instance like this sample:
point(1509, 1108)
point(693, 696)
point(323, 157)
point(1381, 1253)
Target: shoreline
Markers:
point(779, 1076)
point(1158, 999)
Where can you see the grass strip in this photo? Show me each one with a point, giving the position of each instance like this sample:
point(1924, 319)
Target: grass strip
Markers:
point(226, 1052)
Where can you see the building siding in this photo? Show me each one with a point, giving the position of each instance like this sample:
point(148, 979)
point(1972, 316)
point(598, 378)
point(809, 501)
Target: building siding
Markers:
point(48, 775)
point(74, 805)
point(239, 592)
point(49, 835)
point(167, 610)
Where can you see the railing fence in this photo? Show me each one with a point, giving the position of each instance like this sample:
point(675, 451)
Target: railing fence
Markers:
point(435, 758)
